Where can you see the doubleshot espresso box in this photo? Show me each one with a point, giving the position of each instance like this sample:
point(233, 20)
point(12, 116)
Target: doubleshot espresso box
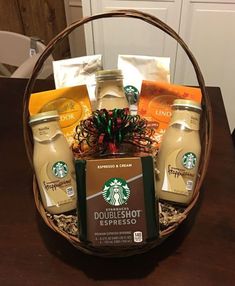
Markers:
point(116, 201)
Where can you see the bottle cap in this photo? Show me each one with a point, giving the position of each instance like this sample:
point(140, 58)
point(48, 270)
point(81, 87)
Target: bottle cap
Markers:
point(109, 75)
point(44, 116)
point(187, 103)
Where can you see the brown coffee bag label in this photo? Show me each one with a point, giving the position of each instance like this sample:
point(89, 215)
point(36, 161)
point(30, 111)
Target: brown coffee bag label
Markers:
point(115, 202)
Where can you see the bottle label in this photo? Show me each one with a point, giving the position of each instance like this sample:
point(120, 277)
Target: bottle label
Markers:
point(112, 89)
point(60, 169)
point(45, 132)
point(56, 184)
point(179, 173)
point(132, 94)
point(189, 160)
point(186, 118)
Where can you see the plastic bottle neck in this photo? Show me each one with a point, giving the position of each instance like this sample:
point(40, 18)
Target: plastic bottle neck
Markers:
point(46, 131)
point(186, 118)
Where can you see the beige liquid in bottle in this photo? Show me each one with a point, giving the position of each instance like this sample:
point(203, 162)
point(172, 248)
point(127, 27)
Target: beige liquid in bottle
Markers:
point(53, 163)
point(179, 154)
point(109, 90)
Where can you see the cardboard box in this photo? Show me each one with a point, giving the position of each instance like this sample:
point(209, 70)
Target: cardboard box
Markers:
point(116, 201)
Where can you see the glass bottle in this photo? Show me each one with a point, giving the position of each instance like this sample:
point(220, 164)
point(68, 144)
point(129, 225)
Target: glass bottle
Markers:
point(53, 163)
point(179, 153)
point(110, 93)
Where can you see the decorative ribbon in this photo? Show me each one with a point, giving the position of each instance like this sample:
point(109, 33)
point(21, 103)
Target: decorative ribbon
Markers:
point(106, 130)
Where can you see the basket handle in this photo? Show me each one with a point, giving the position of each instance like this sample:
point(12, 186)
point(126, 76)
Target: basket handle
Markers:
point(206, 134)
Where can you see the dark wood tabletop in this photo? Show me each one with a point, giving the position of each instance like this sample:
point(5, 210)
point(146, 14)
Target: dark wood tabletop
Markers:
point(201, 251)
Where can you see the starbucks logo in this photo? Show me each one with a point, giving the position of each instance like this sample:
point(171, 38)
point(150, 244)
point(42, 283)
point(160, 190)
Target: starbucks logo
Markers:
point(60, 169)
point(132, 93)
point(116, 192)
point(189, 160)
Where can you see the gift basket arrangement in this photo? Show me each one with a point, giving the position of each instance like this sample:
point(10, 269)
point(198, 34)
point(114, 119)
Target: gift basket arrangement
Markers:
point(119, 155)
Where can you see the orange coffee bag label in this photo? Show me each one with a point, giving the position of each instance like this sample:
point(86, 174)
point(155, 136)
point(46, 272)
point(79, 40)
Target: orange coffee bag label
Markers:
point(155, 102)
point(72, 104)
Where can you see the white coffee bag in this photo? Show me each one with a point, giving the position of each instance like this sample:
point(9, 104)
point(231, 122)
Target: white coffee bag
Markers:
point(137, 68)
point(78, 71)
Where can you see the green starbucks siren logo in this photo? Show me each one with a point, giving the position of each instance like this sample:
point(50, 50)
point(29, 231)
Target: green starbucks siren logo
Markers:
point(60, 169)
point(132, 93)
point(116, 192)
point(189, 160)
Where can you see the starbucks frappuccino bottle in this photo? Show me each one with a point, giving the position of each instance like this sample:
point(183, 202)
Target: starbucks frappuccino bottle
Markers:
point(109, 90)
point(179, 153)
point(53, 163)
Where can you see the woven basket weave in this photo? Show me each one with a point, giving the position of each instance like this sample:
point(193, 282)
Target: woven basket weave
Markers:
point(205, 132)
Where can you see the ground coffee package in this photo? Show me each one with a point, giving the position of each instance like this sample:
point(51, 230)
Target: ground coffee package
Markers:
point(116, 201)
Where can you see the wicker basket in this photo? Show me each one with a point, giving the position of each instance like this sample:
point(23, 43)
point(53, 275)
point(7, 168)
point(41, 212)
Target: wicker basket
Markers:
point(206, 132)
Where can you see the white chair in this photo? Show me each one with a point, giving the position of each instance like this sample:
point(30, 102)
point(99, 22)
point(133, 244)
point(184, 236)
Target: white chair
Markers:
point(22, 52)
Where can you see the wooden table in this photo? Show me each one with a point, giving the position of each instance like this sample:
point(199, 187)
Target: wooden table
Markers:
point(201, 251)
